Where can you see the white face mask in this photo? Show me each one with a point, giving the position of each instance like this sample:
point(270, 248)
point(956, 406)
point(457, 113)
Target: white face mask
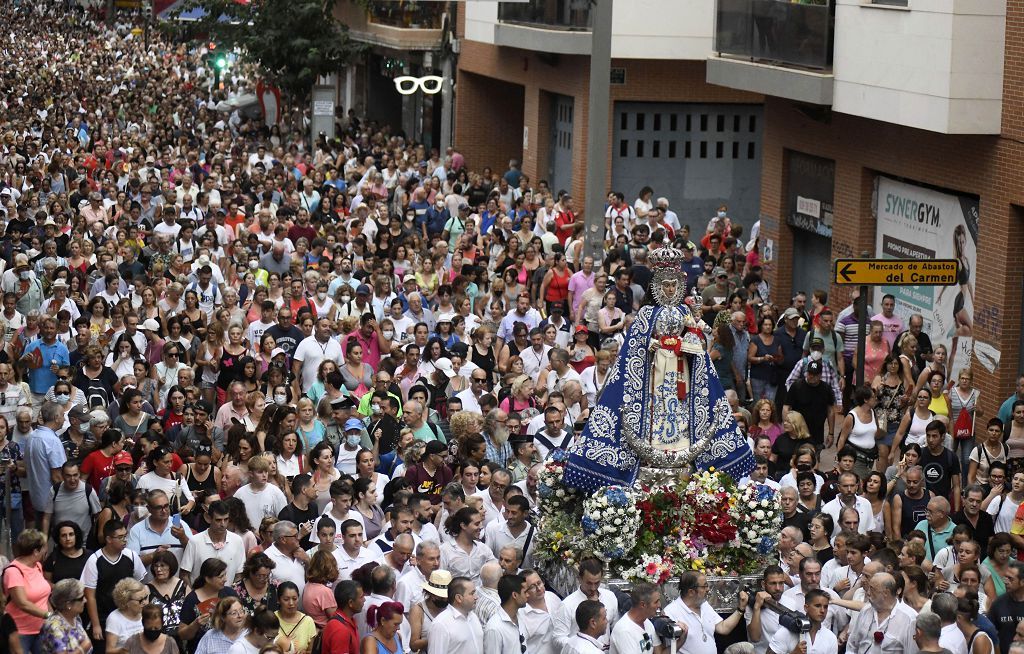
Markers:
point(280, 399)
point(721, 214)
point(61, 399)
point(253, 265)
point(816, 356)
point(321, 296)
point(141, 512)
point(388, 334)
point(354, 440)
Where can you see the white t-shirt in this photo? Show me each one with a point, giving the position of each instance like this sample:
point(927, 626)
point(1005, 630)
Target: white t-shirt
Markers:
point(312, 353)
point(700, 634)
point(785, 641)
point(122, 627)
point(630, 638)
point(1002, 512)
point(259, 504)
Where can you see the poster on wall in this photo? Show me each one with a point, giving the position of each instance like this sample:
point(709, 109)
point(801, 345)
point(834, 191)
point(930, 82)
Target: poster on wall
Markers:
point(915, 222)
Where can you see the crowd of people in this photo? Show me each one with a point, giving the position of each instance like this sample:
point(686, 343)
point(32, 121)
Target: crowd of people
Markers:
point(258, 396)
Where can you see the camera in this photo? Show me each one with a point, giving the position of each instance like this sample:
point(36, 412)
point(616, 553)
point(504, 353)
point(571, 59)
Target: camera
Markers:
point(5, 459)
point(666, 628)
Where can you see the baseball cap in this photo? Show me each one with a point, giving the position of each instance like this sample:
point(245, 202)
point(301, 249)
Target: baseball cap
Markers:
point(817, 342)
point(790, 313)
point(277, 351)
point(409, 277)
point(78, 412)
point(354, 424)
point(459, 348)
point(445, 366)
point(446, 317)
point(720, 272)
point(582, 329)
point(123, 458)
point(151, 325)
point(363, 289)
point(464, 207)
point(814, 368)
point(436, 447)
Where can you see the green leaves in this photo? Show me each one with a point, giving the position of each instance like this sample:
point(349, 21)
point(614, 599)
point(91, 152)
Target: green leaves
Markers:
point(291, 41)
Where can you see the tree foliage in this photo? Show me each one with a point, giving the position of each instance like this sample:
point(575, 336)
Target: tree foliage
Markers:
point(292, 41)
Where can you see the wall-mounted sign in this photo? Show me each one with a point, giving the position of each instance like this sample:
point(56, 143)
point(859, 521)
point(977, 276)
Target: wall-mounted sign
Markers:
point(429, 84)
point(809, 193)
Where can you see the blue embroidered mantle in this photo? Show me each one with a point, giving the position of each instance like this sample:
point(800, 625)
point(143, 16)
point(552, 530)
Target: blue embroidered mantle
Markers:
point(602, 458)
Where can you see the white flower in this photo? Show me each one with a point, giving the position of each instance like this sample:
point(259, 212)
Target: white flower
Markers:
point(752, 505)
point(759, 515)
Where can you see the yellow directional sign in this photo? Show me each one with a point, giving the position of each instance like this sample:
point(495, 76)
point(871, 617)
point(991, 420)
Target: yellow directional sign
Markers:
point(896, 272)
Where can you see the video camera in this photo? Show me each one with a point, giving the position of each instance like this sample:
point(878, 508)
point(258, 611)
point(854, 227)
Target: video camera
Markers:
point(793, 621)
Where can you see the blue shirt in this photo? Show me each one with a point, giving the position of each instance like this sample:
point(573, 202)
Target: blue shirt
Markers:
point(142, 539)
point(43, 454)
point(42, 379)
point(693, 268)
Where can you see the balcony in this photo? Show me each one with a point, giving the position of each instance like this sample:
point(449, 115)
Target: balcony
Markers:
point(408, 15)
point(556, 26)
point(406, 25)
point(775, 47)
point(549, 14)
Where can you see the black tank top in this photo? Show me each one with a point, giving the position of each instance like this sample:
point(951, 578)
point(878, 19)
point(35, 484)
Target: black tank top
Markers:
point(486, 361)
point(228, 371)
point(107, 576)
point(194, 485)
point(913, 511)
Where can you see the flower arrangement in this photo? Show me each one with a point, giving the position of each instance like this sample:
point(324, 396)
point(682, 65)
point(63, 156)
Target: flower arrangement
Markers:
point(705, 523)
point(758, 513)
point(611, 521)
point(555, 497)
point(651, 568)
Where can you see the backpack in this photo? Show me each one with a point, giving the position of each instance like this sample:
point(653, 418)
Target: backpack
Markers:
point(317, 646)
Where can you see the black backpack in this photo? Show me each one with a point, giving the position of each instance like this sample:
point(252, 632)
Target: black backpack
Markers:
point(317, 646)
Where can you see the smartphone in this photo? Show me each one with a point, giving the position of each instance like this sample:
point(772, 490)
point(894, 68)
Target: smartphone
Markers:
point(176, 520)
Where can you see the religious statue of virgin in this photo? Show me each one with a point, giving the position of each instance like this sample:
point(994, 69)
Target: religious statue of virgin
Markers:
point(663, 407)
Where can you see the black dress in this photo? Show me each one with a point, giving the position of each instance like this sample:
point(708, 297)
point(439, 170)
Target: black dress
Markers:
point(486, 362)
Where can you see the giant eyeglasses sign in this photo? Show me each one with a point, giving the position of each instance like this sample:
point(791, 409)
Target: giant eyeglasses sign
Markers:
point(429, 84)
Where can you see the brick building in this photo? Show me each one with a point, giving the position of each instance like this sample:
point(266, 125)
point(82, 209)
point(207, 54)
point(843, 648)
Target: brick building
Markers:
point(895, 134)
point(522, 93)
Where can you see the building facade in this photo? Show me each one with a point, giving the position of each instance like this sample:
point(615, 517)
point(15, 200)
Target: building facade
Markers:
point(893, 131)
point(522, 92)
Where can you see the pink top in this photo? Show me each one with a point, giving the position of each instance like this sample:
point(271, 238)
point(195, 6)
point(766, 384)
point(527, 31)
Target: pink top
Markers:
point(37, 591)
point(318, 603)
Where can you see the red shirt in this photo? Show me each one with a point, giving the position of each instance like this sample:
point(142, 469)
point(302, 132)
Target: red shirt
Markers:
point(563, 226)
point(96, 467)
point(340, 635)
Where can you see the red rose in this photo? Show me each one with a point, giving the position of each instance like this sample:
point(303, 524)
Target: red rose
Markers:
point(878, 637)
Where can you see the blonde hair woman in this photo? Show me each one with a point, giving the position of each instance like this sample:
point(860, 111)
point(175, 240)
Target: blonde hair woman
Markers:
point(129, 596)
point(794, 430)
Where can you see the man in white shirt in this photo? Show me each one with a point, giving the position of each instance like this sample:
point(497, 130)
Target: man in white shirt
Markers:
point(311, 352)
point(410, 584)
point(696, 618)
point(288, 556)
point(763, 623)
point(944, 605)
point(536, 617)
point(260, 498)
point(592, 622)
point(847, 497)
point(810, 579)
point(477, 389)
point(214, 543)
point(352, 555)
point(634, 633)
point(514, 530)
point(457, 630)
point(493, 497)
point(880, 616)
point(503, 633)
point(591, 572)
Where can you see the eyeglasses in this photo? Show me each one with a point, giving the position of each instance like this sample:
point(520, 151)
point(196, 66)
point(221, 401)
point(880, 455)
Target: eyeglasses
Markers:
point(236, 614)
point(161, 507)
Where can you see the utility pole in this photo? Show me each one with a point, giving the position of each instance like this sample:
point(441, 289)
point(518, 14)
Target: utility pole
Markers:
point(597, 126)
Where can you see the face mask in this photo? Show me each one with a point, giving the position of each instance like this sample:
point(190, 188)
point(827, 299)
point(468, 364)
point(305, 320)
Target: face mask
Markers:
point(354, 440)
point(280, 399)
point(253, 265)
point(803, 467)
point(62, 398)
point(25, 274)
point(346, 298)
point(721, 214)
point(151, 634)
point(141, 512)
point(321, 296)
point(375, 408)
point(815, 356)
point(388, 334)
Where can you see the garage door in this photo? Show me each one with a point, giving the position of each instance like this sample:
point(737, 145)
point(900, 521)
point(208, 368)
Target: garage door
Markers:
point(699, 156)
point(560, 169)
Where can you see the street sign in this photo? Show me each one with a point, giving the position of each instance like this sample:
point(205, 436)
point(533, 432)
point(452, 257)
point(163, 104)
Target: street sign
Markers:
point(896, 272)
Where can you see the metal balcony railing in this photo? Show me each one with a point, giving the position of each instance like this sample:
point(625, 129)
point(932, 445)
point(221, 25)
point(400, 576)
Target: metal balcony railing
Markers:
point(408, 14)
point(777, 31)
point(551, 14)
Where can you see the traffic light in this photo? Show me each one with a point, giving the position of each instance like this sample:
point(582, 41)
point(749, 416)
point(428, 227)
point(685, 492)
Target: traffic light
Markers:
point(220, 61)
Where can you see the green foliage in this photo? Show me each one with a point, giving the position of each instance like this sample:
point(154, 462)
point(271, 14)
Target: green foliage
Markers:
point(291, 41)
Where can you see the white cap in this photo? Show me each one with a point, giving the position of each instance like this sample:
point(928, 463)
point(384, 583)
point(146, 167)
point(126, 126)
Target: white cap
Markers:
point(150, 324)
point(445, 366)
